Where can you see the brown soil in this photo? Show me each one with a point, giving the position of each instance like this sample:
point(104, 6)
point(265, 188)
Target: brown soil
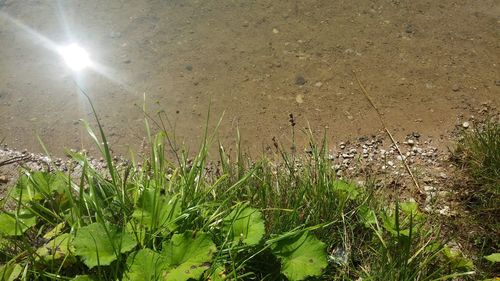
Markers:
point(425, 63)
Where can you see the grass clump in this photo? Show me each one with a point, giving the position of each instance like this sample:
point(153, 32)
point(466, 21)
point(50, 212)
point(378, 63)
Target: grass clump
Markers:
point(479, 155)
point(478, 158)
point(188, 220)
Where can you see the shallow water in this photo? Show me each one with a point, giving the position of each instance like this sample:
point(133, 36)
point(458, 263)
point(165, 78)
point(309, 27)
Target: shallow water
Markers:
point(425, 64)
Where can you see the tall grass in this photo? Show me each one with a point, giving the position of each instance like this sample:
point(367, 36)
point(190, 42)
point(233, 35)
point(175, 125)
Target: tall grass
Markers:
point(106, 225)
point(479, 155)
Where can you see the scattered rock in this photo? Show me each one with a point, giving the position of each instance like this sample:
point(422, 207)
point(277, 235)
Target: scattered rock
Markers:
point(497, 82)
point(409, 29)
point(465, 125)
point(275, 31)
point(455, 88)
point(299, 98)
point(443, 175)
point(189, 67)
point(429, 188)
point(300, 80)
point(318, 84)
point(4, 179)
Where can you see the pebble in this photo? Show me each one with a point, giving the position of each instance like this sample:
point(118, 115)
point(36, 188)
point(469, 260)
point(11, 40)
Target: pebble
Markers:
point(429, 188)
point(410, 142)
point(465, 125)
point(318, 84)
point(347, 155)
point(299, 98)
point(455, 88)
point(4, 179)
point(443, 175)
point(300, 80)
point(275, 31)
point(409, 29)
point(189, 67)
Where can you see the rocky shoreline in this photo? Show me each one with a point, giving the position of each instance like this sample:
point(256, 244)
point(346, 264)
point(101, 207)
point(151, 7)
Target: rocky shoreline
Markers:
point(375, 157)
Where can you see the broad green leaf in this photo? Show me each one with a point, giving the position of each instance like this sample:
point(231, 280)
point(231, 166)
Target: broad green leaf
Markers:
point(10, 271)
point(38, 185)
point(56, 248)
point(145, 265)
point(156, 211)
point(187, 256)
point(410, 207)
point(350, 190)
point(54, 231)
point(301, 256)
point(495, 257)
point(14, 224)
point(25, 191)
point(96, 246)
point(245, 224)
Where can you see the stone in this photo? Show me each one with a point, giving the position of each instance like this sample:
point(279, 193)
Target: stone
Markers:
point(300, 80)
point(465, 125)
point(4, 179)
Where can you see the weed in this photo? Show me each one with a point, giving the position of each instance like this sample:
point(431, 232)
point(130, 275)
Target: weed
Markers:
point(165, 220)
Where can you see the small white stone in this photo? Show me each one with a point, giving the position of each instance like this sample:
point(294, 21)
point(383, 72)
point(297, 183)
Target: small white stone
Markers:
point(275, 31)
point(465, 125)
point(318, 84)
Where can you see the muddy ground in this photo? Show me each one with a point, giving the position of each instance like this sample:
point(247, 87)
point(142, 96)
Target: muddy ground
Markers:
point(427, 64)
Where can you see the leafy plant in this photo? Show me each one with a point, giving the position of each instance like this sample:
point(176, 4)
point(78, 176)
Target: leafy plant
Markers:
point(179, 220)
point(100, 244)
point(300, 255)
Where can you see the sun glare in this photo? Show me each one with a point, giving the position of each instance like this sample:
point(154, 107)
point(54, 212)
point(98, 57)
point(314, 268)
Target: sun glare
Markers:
point(75, 57)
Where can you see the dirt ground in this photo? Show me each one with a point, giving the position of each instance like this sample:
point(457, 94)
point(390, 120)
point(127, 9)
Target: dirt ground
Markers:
point(426, 64)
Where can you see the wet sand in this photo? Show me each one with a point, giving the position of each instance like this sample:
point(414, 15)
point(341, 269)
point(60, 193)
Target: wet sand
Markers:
point(426, 64)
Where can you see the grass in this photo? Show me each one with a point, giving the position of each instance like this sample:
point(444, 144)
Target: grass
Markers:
point(186, 219)
point(478, 157)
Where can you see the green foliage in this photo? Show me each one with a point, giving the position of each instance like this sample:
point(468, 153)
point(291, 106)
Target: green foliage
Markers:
point(187, 256)
point(245, 224)
point(155, 211)
point(16, 223)
point(99, 244)
point(10, 271)
point(166, 220)
point(57, 248)
point(479, 154)
point(83, 278)
point(494, 258)
point(404, 248)
point(144, 265)
point(300, 255)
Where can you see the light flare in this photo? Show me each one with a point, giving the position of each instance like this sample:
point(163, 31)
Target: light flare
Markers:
point(76, 57)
